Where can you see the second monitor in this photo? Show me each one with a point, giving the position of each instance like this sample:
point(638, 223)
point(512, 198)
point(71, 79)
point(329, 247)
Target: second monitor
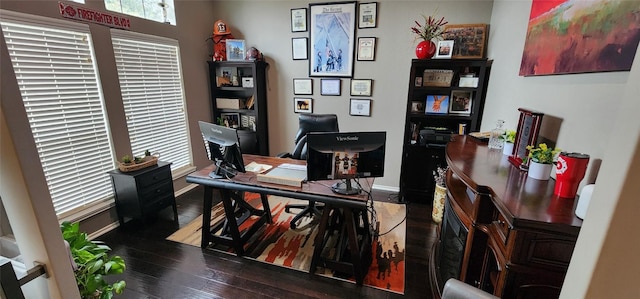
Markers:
point(224, 149)
point(347, 156)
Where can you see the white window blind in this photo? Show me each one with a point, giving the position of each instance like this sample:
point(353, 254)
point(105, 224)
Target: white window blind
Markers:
point(58, 81)
point(152, 95)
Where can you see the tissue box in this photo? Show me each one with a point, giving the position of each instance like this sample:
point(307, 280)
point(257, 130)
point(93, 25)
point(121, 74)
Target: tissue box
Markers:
point(468, 82)
point(225, 103)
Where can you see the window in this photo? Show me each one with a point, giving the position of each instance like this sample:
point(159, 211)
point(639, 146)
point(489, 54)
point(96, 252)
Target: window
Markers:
point(54, 66)
point(155, 10)
point(151, 85)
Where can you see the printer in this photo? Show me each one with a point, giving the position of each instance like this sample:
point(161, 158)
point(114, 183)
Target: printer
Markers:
point(435, 136)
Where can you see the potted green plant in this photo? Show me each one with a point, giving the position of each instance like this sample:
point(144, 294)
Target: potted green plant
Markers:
point(509, 138)
point(92, 264)
point(541, 161)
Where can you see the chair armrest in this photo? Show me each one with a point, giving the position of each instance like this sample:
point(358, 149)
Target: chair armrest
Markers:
point(283, 155)
point(455, 289)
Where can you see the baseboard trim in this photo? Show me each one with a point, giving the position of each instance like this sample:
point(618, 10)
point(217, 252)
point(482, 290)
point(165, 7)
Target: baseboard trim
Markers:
point(104, 230)
point(385, 188)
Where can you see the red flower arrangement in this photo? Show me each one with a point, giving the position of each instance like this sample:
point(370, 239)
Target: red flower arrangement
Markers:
point(432, 29)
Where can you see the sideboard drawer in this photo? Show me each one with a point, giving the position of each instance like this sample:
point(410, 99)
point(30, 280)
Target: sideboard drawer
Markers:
point(503, 228)
point(544, 250)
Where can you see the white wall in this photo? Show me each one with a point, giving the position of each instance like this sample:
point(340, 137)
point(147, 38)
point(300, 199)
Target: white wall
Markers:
point(266, 25)
point(599, 117)
point(586, 104)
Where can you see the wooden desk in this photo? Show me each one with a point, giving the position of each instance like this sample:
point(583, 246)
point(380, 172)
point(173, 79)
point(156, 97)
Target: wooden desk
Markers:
point(514, 238)
point(349, 206)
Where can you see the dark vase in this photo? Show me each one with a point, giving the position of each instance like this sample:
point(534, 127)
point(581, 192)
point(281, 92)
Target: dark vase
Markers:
point(425, 49)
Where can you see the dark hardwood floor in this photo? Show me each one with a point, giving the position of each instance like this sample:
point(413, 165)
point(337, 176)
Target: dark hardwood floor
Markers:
point(157, 268)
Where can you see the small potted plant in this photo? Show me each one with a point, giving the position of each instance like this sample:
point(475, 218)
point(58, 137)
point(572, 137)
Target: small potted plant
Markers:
point(509, 138)
point(541, 161)
point(439, 194)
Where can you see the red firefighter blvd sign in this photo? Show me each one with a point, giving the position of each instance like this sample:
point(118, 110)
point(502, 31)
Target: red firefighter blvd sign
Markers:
point(93, 16)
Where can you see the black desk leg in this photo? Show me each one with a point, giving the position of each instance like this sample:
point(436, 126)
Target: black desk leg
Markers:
point(206, 217)
point(266, 208)
point(229, 212)
point(353, 245)
point(319, 242)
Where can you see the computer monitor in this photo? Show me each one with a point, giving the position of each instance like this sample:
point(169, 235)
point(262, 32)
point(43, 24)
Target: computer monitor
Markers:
point(345, 155)
point(224, 149)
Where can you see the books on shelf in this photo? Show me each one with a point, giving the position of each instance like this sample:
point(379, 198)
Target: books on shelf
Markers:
point(285, 174)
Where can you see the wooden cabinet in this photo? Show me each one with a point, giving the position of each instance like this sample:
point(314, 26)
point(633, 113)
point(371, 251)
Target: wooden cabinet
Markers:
point(143, 192)
point(518, 236)
point(438, 78)
point(239, 100)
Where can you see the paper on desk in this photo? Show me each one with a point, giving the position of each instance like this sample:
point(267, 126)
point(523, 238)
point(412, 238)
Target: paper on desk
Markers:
point(257, 167)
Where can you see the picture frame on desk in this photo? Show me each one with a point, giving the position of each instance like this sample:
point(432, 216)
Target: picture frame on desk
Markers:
point(437, 104)
point(461, 101)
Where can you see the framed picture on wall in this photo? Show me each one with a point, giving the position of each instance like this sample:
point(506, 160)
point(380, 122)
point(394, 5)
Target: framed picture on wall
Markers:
point(361, 87)
point(366, 48)
point(330, 87)
point(360, 107)
point(331, 45)
point(302, 105)
point(303, 86)
point(299, 48)
point(298, 20)
point(367, 15)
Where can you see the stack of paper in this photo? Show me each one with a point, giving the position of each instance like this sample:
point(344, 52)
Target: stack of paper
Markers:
point(285, 174)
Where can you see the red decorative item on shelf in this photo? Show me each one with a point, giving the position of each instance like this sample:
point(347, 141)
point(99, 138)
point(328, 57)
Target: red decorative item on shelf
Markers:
point(425, 49)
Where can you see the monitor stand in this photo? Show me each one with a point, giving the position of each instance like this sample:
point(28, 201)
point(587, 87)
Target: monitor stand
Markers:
point(222, 171)
point(345, 188)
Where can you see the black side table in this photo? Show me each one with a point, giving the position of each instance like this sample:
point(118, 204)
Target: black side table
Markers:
point(143, 192)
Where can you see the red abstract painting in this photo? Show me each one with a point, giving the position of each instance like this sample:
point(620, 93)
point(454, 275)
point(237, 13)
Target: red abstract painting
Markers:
point(580, 36)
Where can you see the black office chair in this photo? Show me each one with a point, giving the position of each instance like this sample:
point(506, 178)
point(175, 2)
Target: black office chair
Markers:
point(308, 123)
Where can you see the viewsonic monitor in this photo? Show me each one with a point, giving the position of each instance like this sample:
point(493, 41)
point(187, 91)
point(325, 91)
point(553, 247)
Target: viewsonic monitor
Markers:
point(224, 149)
point(346, 156)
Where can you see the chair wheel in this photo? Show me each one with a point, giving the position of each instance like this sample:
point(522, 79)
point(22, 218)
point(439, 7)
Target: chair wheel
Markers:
point(292, 225)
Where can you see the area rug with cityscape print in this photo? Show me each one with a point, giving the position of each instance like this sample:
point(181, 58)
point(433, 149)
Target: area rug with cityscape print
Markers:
point(280, 245)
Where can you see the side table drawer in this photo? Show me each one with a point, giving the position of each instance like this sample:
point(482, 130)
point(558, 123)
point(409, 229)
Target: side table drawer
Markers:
point(158, 204)
point(151, 193)
point(153, 178)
